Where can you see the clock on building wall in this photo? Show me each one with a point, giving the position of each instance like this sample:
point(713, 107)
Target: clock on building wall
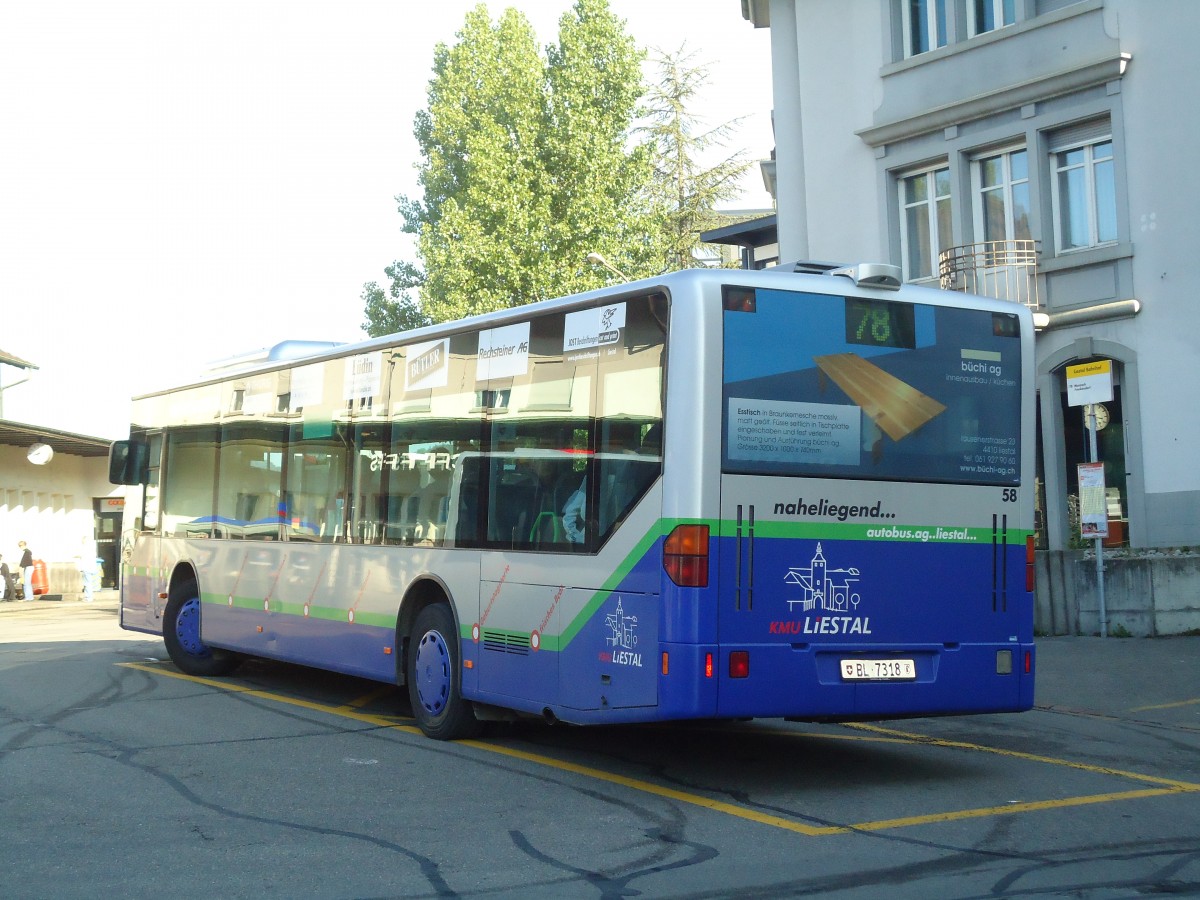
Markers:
point(1101, 415)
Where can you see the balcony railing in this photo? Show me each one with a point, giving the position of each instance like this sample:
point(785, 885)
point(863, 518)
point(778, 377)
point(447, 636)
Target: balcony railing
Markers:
point(1005, 270)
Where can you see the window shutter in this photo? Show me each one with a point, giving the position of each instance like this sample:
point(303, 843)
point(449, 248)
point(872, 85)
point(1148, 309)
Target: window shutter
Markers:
point(1081, 133)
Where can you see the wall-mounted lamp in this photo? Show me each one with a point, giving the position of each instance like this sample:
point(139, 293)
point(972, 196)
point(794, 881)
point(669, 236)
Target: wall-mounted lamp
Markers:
point(39, 454)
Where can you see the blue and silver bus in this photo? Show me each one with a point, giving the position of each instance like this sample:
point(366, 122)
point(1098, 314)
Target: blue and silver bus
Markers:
point(712, 494)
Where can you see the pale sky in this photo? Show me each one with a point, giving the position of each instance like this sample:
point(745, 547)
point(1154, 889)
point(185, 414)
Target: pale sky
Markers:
point(182, 181)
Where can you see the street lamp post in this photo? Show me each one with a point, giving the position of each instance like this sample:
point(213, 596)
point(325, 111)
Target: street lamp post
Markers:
point(16, 363)
point(598, 259)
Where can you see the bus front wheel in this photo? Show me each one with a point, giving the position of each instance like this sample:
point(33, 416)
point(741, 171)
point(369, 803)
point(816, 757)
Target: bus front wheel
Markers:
point(434, 677)
point(181, 634)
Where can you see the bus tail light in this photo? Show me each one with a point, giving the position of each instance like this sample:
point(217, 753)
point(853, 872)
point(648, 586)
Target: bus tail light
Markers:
point(685, 555)
point(739, 299)
point(1030, 565)
point(708, 668)
point(739, 664)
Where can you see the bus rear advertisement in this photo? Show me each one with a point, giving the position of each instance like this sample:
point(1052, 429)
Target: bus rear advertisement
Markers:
point(712, 494)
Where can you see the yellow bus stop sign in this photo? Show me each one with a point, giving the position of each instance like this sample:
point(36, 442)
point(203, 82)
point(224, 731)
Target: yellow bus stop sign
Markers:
point(1089, 383)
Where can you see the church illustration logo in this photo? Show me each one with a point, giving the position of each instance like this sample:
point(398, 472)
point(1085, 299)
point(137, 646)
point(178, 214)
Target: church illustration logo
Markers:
point(622, 640)
point(829, 590)
point(823, 587)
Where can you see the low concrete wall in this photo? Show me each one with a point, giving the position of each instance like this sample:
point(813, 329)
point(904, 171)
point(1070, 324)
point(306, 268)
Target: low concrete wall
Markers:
point(65, 582)
point(1146, 594)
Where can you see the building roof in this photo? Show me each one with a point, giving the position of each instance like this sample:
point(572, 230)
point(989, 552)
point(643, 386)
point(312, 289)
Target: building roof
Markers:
point(16, 434)
point(9, 359)
point(752, 233)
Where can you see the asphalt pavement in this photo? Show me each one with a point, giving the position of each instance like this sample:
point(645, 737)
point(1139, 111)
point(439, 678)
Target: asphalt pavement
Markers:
point(1116, 677)
point(1121, 677)
point(60, 601)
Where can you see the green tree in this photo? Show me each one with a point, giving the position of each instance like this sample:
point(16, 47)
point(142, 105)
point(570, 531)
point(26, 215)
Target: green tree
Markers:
point(482, 179)
point(527, 166)
point(531, 162)
point(388, 316)
point(604, 199)
point(689, 192)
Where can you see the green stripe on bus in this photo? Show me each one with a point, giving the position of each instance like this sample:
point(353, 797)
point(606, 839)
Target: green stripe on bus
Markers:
point(324, 613)
point(661, 528)
point(874, 531)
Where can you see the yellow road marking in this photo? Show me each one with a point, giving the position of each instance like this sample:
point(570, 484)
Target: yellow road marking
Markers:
point(1166, 705)
point(875, 734)
point(743, 812)
point(344, 711)
point(1009, 808)
point(1175, 786)
point(658, 790)
point(368, 698)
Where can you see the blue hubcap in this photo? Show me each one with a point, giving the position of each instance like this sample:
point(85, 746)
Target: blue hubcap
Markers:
point(187, 629)
point(432, 672)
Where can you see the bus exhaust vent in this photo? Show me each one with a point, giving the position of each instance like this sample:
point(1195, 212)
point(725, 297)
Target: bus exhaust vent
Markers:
point(744, 574)
point(811, 267)
point(503, 642)
point(1000, 551)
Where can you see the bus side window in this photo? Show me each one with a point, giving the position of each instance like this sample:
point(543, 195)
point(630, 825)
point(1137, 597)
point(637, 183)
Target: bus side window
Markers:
point(513, 507)
point(150, 495)
point(401, 505)
point(304, 516)
point(466, 504)
point(430, 525)
point(249, 481)
point(624, 475)
point(560, 481)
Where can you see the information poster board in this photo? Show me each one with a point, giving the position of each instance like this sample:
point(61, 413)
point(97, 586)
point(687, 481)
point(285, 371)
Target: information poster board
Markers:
point(829, 386)
point(1093, 508)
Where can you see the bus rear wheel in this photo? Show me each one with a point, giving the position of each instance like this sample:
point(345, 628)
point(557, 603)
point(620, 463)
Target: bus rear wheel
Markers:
point(435, 677)
point(181, 634)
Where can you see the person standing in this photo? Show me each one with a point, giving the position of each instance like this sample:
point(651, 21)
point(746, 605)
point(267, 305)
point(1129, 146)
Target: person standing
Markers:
point(26, 567)
point(86, 563)
point(6, 588)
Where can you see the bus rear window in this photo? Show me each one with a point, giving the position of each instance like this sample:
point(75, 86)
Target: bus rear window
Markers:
point(830, 386)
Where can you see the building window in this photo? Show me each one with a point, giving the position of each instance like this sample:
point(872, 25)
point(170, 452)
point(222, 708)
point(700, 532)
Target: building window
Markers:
point(1002, 196)
point(926, 229)
point(924, 25)
point(1085, 195)
point(988, 15)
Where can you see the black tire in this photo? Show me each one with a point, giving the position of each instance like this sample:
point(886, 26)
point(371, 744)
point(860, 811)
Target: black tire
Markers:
point(434, 673)
point(181, 634)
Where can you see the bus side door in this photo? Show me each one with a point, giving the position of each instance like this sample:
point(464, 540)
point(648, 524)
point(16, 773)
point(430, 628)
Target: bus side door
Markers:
point(143, 575)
